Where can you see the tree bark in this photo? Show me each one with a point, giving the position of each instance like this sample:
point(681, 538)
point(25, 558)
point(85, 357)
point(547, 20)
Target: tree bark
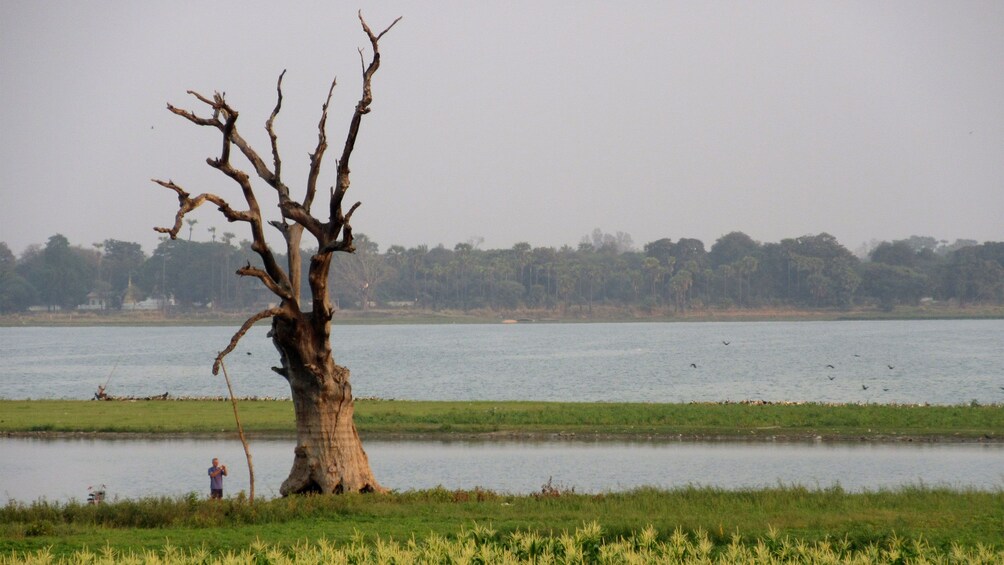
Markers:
point(329, 456)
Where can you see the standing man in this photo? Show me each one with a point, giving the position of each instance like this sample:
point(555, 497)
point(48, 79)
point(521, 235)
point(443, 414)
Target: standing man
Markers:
point(216, 474)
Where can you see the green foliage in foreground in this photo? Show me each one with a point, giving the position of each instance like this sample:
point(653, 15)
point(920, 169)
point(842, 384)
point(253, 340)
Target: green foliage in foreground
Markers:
point(440, 417)
point(586, 544)
point(944, 518)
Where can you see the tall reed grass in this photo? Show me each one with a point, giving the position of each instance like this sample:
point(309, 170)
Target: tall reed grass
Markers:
point(943, 517)
point(589, 543)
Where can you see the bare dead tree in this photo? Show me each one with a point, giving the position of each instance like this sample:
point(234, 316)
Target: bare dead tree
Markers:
point(329, 456)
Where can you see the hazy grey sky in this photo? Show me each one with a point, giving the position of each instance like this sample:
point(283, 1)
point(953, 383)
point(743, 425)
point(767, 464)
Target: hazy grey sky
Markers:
point(520, 120)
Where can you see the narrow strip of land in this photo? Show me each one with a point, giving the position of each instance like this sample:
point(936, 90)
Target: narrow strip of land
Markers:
point(418, 419)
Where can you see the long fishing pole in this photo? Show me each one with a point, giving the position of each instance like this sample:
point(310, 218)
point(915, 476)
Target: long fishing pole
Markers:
point(101, 394)
point(240, 431)
point(110, 373)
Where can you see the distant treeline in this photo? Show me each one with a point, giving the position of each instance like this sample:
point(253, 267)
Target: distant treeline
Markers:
point(812, 271)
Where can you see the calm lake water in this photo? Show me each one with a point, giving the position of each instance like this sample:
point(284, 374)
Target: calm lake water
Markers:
point(938, 362)
point(62, 469)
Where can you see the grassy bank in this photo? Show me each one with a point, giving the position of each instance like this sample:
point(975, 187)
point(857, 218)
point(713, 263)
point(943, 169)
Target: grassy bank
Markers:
point(416, 418)
point(941, 517)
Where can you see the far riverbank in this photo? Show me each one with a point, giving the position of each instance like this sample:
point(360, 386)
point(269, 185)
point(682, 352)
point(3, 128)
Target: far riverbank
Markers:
point(933, 311)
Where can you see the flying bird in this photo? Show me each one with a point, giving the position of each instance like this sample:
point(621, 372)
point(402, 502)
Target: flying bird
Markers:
point(890, 367)
point(726, 342)
point(693, 365)
point(864, 387)
point(830, 367)
point(831, 377)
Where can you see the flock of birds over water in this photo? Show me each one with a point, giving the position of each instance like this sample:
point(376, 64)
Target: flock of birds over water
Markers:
point(829, 366)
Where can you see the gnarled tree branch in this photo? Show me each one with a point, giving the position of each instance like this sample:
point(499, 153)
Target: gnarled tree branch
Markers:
point(362, 108)
point(278, 311)
point(186, 204)
point(249, 271)
point(318, 154)
point(276, 161)
point(259, 244)
point(190, 116)
point(334, 235)
point(253, 216)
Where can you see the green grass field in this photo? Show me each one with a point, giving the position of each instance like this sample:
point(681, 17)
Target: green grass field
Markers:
point(940, 517)
point(937, 524)
point(850, 421)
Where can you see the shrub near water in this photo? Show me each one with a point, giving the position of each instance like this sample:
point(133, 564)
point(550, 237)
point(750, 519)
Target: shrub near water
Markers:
point(587, 544)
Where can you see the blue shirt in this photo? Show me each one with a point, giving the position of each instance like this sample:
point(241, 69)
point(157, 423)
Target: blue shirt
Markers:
point(215, 481)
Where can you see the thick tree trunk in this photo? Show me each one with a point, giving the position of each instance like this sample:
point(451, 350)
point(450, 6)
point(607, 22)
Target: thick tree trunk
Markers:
point(329, 457)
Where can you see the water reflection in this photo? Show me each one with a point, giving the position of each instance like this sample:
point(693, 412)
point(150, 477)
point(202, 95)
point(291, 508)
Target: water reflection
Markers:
point(62, 469)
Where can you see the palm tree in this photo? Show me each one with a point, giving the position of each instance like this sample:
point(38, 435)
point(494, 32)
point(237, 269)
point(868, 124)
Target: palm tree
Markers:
point(680, 284)
point(748, 265)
